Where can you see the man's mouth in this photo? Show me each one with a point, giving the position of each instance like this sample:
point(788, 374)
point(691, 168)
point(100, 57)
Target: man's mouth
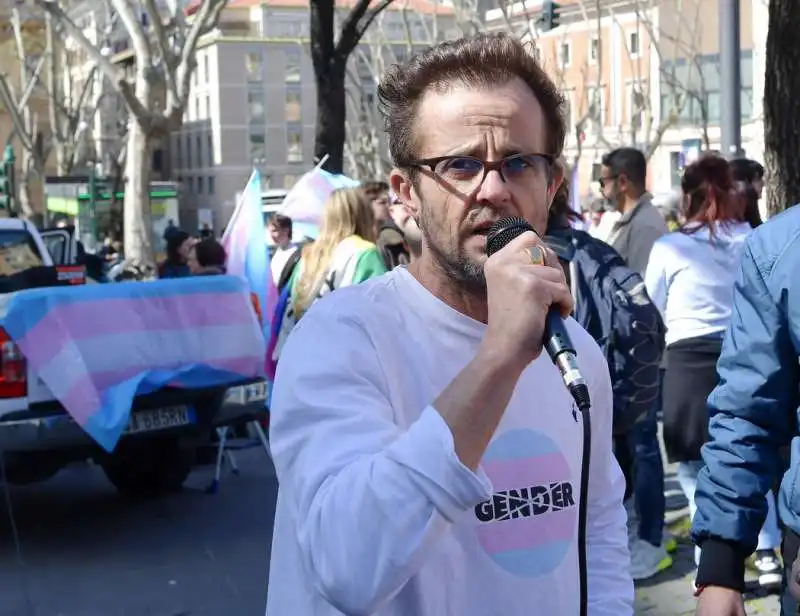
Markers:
point(482, 229)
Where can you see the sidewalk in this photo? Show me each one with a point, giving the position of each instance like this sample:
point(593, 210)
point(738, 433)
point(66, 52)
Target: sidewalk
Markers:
point(670, 593)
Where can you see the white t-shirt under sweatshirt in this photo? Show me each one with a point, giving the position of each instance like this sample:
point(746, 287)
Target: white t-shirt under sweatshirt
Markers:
point(376, 515)
point(690, 279)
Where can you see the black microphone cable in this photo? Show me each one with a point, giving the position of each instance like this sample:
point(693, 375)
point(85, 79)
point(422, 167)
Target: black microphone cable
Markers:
point(559, 347)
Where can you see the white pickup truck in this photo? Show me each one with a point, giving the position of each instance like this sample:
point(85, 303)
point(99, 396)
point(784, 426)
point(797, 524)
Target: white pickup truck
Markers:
point(157, 450)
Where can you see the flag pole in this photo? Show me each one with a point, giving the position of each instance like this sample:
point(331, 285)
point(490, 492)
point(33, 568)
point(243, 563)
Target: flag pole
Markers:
point(321, 162)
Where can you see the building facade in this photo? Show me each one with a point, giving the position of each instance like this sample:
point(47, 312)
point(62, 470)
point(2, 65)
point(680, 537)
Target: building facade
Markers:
point(645, 75)
point(253, 98)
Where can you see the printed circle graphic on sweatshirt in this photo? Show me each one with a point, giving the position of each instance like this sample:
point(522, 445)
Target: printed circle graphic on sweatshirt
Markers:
point(529, 524)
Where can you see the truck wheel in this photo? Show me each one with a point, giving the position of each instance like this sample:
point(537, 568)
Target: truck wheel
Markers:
point(151, 468)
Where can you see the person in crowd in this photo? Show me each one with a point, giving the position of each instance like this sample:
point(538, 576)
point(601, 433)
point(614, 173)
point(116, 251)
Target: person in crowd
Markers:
point(748, 171)
point(179, 243)
point(344, 254)
point(285, 255)
point(630, 332)
point(404, 219)
point(206, 258)
point(623, 177)
point(690, 277)
point(753, 419)
point(749, 177)
point(206, 231)
point(428, 453)
point(391, 242)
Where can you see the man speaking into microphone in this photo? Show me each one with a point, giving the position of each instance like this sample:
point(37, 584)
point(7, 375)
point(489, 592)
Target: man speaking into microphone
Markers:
point(429, 455)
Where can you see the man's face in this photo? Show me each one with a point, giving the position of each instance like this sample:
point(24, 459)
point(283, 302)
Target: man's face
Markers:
point(186, 247)
point(278, 235)
point(380, 207)
point(488, 124)
point(610, 187)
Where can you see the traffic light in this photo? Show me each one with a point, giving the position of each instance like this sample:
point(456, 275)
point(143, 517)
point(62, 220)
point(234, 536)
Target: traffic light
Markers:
point(550, 18)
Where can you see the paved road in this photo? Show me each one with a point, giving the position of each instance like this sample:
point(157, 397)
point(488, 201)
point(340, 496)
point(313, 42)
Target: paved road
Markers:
point(671, 593)
point(89, 553)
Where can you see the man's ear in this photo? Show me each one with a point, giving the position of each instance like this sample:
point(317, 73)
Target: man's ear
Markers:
point(404, 189)
point(558, 174)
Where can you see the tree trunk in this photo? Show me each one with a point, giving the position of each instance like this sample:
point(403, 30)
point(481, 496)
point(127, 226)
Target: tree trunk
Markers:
point(331, 116)
point(138, 227)
point(782, 106)
point(24, 186)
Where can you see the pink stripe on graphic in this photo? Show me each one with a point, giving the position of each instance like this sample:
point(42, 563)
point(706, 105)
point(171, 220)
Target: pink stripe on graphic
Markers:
point(82, 399)
point(523, 533)
point(46, 339)
point(523, 472)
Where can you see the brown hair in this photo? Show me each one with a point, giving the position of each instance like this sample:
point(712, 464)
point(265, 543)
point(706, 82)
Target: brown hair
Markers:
point(709, 196)
point(209, 253)
point(374, 189)
point(482, 60)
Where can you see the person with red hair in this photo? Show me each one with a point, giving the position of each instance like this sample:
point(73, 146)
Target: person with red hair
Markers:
point(690, 278)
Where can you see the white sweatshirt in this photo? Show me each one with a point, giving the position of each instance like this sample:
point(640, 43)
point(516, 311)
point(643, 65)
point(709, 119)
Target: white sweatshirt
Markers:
point(376, 515)
point(690, 279)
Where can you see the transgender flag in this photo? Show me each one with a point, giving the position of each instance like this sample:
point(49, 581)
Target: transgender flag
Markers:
point(248, 256)
point(94, 348)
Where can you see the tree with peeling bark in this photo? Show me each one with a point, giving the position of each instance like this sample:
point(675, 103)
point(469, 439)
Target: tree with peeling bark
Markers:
point(366, 151)
point(782, 106)
point(163, 46)
point(329, 55)
point(37, 92)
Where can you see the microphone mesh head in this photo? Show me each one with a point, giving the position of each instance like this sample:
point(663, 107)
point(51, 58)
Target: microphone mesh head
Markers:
point(505, 230)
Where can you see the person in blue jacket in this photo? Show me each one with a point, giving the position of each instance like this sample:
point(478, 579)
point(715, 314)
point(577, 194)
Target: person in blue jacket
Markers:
point(753, 414)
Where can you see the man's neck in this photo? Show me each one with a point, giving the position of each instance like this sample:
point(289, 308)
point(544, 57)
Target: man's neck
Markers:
point(284, 245)
point(631, 202)
point(430, 275)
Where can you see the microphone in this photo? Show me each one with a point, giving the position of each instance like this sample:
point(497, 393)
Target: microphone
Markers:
point(557, 342)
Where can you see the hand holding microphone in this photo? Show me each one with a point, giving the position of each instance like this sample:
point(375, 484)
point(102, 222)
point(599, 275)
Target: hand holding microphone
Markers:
point(528, 299)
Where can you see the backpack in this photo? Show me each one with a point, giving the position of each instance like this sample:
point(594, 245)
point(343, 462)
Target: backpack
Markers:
point(611, 303)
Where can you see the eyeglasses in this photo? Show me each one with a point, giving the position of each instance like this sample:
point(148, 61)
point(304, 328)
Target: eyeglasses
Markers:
point(466, 173)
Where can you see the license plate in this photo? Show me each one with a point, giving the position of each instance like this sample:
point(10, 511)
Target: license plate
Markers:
point(160, 419)
point(257, 392)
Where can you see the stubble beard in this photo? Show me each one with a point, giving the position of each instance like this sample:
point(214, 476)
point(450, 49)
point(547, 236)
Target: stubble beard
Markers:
point(456, 265)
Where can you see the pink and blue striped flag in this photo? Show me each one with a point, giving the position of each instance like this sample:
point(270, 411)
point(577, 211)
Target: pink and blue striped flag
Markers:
point(248, 254)
point(96, 347)
point(305, 201)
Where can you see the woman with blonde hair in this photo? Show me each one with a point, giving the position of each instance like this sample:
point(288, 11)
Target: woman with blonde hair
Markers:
point(343, 254)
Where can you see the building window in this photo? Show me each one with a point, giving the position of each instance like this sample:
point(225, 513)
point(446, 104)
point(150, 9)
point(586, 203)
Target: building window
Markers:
point(200, 185)
point(255, 106)
point(289, 181)
point(293, 106)
point(190, 184)
point(594, 50)
point(208, 106)
point(634, 44)
point(636, 105)
point(188, 151)
point(211, 187)
point(565, 54)
point(197, 115)
point(206, 68)
point(258, 150)
point(292, 64)
point(199, 151)
point(211, 158)
point(255, 69)
point(294, 145)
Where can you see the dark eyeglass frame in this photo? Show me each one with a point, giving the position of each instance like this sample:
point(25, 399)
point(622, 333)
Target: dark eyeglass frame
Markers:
point(488, 165)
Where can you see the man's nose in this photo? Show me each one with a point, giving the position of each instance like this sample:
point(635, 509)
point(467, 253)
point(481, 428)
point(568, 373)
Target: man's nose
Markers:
point(493, 189)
